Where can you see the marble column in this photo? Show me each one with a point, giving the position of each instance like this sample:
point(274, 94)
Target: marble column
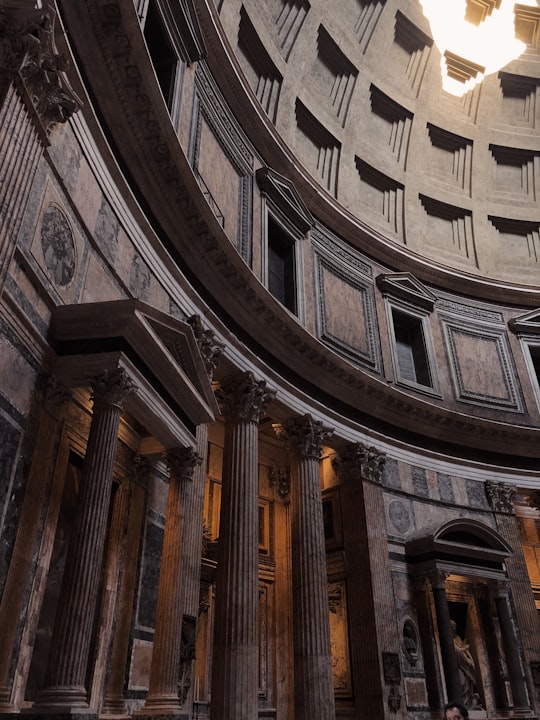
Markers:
point(47, 455)
point(313, 680)
point(501, 498)
point(446, 637)
point(192, 549)
point(372, 623)
point(114, 703)
point(72, 634)
point(235, 664)
point(162, 698)
point(34, 96)
point(501, 592)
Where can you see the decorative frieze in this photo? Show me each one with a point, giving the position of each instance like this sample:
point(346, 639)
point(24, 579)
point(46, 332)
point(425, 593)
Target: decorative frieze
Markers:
point(500, 496)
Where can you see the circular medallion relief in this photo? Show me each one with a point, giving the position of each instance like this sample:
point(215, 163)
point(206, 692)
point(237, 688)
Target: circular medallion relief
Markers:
point(58, 246)
point(399, 516)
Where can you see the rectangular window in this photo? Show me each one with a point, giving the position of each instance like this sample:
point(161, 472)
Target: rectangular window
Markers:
point(412, 358)
point(281, 265)
point(161, 53)
point(535, 357)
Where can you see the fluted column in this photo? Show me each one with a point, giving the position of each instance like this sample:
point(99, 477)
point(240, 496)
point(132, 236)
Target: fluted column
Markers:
point(235, 664)
point(70, 644)
point(313, 681)
point(162, 695)
point(446, 638)
point(501, 591)
point(372, 625)
point(46, 453)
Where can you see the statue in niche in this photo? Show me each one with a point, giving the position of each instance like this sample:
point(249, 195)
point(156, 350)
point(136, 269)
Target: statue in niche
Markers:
point(466, 667)
point(410, 642)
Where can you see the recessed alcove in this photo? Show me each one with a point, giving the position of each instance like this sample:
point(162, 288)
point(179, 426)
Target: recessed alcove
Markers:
point(448, 229)
point(366, 16)
point(413, 48)
point(516, 174)
point(384, 197)
point(518, 245)
point(261, 72)
point(317, 147)
point(519, 105)
point(288, 16)
point(396, 124)
point(451, 158)
point(333, 75)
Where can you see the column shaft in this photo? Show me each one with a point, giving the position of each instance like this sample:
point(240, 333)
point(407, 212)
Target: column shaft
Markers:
point(235, 664)
point(165, 671)
point(446, 639)
point(511, 651)
point(46, 455)
point(313, 680)
point(70, 645)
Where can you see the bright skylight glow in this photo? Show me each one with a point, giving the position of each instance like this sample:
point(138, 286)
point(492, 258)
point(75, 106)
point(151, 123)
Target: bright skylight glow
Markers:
point(492, 44)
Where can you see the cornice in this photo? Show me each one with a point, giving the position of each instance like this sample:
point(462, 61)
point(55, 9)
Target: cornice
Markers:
point(109, 44)
point(225, 68)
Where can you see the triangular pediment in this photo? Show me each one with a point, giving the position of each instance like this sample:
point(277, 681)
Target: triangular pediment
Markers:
point(285, 196)
point(528, 323)
point(406, 287)
point(159, 352)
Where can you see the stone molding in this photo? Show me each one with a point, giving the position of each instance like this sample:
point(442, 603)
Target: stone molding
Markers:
point(220, 267)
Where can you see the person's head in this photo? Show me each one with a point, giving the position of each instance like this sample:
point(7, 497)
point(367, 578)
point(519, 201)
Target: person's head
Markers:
point(455, 711)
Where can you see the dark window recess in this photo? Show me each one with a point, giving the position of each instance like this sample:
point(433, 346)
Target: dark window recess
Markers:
point(281, 270)
point(161, 53)
point(535, 357)
point(411, 349)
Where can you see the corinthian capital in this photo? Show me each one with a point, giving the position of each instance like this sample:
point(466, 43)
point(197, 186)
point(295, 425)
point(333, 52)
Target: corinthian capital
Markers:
point(28, 53)
point(209, 347)
point(111, 388)
point(304, 436)
point(357, 462)
point(182, 461)
point(500, 496)
point(242, 398)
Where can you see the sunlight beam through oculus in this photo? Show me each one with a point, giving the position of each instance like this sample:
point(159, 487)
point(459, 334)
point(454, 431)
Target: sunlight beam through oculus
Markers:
point(471, 51)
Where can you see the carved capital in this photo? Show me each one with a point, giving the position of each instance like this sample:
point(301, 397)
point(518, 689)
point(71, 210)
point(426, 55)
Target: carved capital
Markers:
point(280, 479)
point(111, 388)
point(182, 462)
point(28, 53)
point(500, 496)
point(209, 347)
point(242, 398)
point(533, 499)
point(499, 588)
point(438, 579)
point(55, 395)
point(304, 436)
point(357, 462)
